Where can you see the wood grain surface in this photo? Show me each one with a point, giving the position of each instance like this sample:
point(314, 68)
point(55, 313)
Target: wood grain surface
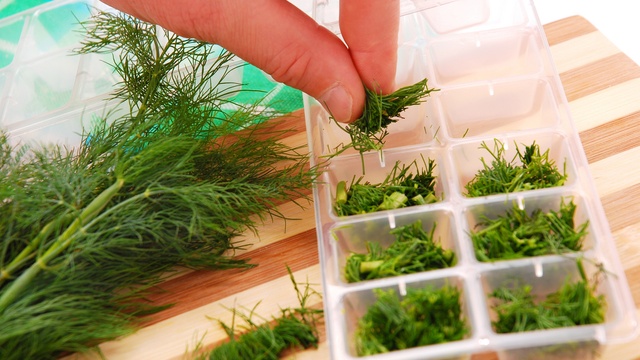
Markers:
point(603, 88)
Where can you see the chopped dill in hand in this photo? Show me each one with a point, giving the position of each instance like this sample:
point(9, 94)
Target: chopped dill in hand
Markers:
point(518, 234)
point(370, 129)
point(425, 316)
point(413, 251)
point(575, 303)
point(400, 188)
point(526, 171)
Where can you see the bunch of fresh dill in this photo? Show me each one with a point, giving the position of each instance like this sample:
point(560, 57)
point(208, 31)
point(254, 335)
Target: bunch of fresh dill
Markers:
point(295, 328)
point(518, 234)
point(370, 129)
point(425, 316)
point(413, 251)
point(575, 303)
point(401, 188)
point(526, 171)
point(87, 232)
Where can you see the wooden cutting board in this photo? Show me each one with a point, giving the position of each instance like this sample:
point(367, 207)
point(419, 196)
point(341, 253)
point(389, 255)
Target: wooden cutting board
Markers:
point(603, 88)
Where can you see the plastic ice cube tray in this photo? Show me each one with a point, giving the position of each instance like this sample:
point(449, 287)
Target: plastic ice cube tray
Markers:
point(491, 61)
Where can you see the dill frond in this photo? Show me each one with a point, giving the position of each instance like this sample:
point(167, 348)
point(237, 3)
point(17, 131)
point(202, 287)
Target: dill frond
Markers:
point(294, 329)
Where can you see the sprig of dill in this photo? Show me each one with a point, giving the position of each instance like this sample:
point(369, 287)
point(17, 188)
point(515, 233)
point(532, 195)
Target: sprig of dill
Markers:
point(518, 234)
point(526, 171)
point(295, 328)
point(413, 251)
point(401, 188)
point(425, 316)
point(575, 303)
point(370, 129)
point(87, 232)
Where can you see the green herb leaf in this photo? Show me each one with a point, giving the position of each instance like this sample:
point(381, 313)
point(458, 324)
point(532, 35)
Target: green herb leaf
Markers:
point(295, 328)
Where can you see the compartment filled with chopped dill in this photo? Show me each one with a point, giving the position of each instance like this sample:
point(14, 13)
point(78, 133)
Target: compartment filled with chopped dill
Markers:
point(414, 250)
point(521, 233)
point(424, 316)
point(405, 185)
point(576, 302)
point(529, 169)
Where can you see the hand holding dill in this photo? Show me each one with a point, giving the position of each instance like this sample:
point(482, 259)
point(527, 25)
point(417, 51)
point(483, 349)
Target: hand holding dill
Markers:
point(370, 129)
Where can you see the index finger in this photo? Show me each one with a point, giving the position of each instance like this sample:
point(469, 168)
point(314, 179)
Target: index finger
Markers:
point(370, 29)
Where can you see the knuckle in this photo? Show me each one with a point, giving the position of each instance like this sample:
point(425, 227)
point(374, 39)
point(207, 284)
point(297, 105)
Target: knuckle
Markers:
point(291, 66)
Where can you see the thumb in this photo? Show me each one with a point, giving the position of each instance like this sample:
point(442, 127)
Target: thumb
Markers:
point(273, 35)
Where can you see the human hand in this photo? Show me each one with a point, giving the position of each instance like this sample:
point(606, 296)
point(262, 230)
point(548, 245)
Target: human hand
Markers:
point(283, 41)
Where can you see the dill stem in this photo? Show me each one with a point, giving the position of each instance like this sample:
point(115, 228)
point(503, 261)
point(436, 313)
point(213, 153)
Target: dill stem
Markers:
point(153, 82)
point(62, 242)
point(368, 266)
point(27, 252)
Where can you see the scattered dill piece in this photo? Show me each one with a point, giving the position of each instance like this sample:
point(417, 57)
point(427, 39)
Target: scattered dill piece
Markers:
point(413, 251)
point(401, 188)
point(526, 171)
point(370, 129)
point(294, 329)
point(425, 316)
point(518, 234)
point(575, 303)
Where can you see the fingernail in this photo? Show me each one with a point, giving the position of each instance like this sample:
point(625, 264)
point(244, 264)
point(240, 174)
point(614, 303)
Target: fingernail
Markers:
point(338, 102)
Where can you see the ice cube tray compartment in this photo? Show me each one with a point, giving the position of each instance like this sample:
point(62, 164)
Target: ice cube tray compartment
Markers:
point(484, 56)
point(497, 107)
point(467, 157)
point(373, 169)
point(472, 15)
point(353, 237)
point(475, 214)
point(497, 85)
point(353, 305)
